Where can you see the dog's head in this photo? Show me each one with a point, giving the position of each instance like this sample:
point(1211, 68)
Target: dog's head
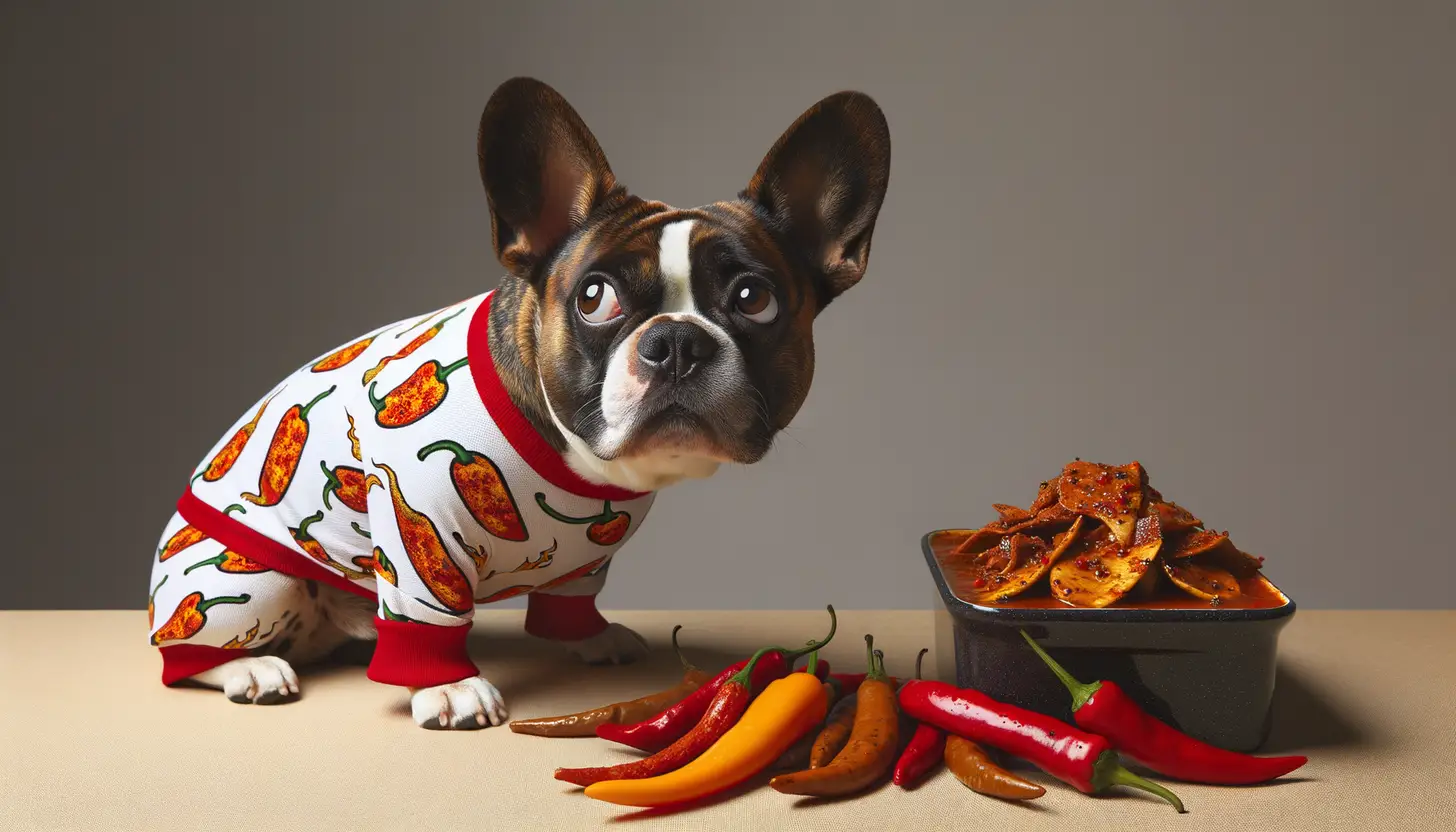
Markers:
point(668, 341)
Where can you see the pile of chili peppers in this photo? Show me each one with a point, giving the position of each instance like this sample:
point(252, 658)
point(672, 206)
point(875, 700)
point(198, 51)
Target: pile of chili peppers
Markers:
point(824, 734)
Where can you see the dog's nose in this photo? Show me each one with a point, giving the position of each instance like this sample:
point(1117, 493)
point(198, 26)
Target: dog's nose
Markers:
point(674, 349)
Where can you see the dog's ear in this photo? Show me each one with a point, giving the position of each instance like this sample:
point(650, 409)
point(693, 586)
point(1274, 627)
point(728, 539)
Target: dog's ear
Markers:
point(821, 186)
point(542, 169)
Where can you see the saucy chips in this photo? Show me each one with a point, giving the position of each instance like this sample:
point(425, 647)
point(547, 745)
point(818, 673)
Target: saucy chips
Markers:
point(1096, 535)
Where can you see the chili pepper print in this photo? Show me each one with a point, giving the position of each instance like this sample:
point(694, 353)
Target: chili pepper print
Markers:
point(232, 508)
point(508, 592)
point(605, 529)
point(346, 483)
point(482, 488)
point(316, 550)
point(415, 397)
point(342, 357)
point(353, 434)
point(925, 749)
point(182, 539)
point(787, 709)
point(1105, 708)
point(973, 767)
point(246, 639)
point(359, 530)
point(152, 602)
point(223, 461)
point(404, 352)
point(426, 551)
point(654, 734)
point(481, 558)
point(284, 452)
point(391, 615)
point(191, 616)
point(870, 753)
point(231, 562)
point(521, 589)
point(383, 569)
point(1081, 759)
point(584, 724)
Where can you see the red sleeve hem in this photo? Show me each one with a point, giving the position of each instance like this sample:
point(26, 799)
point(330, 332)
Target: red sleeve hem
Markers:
point(410, 654)
point(563, 617)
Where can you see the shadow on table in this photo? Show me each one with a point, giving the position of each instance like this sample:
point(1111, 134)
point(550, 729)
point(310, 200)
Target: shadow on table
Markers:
point(1306, 719)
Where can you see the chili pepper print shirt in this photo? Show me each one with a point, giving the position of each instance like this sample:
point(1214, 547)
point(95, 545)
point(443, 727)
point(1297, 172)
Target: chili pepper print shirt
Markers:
point(397, 466)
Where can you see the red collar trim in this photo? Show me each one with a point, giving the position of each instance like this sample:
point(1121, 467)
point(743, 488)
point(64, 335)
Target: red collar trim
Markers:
point(532, 447)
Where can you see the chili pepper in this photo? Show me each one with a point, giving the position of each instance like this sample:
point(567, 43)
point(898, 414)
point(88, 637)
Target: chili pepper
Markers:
point(353, 435)
point(1081, 759)
point(316, 550)
point(583, 724)
point(191, 616)
point(383, 569)
point(850, 682)
point(579, 572)
point(426, 551)
point(416, 396)
point(241, 642)
point(188, 535)
point(283, 453)
point(970, 765)
point(797, 755)
point(662, 730)
point(152, 602)
point(786, 710)
point(223, 461)
point(348, 484)
point(342, 356)
point(508, 592)
point(606, 529)
point(482, 488)
point(834, 736)
point(391, 615)
point(1105, 708)
point(925, 749)
point(870, 753)
point(230, 561)
point(419, 341)
point(727, 706)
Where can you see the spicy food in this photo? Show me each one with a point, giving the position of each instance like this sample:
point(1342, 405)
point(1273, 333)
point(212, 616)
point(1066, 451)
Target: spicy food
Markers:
point(1099, 535)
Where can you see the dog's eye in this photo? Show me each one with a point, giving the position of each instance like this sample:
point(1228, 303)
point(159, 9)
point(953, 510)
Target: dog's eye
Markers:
point(756, 303)
point(597, 301)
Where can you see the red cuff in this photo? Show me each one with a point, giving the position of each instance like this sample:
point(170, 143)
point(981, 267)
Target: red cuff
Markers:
point(563, 617)
point(420, 655)
point(183, 661)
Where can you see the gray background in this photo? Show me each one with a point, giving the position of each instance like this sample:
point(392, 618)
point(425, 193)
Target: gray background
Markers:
point(1218, 238)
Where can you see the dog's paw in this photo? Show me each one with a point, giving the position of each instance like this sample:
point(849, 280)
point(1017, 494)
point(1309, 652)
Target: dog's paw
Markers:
point(466, 705)
point(615, 645)
point(253, 680)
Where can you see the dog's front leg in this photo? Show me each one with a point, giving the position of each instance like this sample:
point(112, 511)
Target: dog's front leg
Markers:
point(568, 614)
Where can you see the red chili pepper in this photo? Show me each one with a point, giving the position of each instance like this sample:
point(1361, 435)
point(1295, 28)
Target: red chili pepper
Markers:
point(1081, 759)
point(663, 730)
point(1105, 708)
point(925, 749)
point(723, 712)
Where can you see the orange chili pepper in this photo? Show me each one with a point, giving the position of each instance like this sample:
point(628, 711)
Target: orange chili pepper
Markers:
point(508, 592)
point(316, 550)
point(283, 453)
point(191, 616)
point(482, 488)
point(152, 602)
point(419, 341)
point(342, 356)
point(188, 535)
point(230, 561)
point(346, 483)
point(242, 642)
point(426, 551)
point(384, 569)
point(223, 461)
point(353, 438)
point(606, 529)
point(415, 397)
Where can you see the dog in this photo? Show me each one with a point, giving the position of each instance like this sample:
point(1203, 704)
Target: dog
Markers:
point(511, 443)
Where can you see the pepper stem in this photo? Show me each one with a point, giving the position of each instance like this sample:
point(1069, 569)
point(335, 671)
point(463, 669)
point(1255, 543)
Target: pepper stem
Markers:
point(462, 456)
point(446, 370)
point(377, 403)
point(306, 522)
point(687, 665)
point(203, 605)
point(1081, 691)
point(562, 518)
point(331, 482)
point(919, 657)
point(877, 673)
point(1108, 771)
point(792, 656)
point(743, 676)
point(813, 664)
point(212, 561)
point(303, 414)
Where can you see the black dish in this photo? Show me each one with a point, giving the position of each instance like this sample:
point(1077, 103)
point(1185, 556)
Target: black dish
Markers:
point(1207, 671)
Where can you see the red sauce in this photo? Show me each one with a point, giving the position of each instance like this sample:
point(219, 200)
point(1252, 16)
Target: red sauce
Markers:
point(1255, 593)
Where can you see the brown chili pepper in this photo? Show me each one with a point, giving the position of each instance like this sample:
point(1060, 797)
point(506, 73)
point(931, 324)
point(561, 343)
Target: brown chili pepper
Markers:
point(971, 765)
point(606, 529)
point(342, 356)
point(316, 549)
point(419, 341)
point(191, 616)
point(223, 461)
point(584, 724)
point(832, 738)
point(283, 453)
point(798, 754)
point(230, 561)
point(426, 551)
point(415, 397)
point(188, 535)
point(346, 483)
point(482, 488)
point(872, 747)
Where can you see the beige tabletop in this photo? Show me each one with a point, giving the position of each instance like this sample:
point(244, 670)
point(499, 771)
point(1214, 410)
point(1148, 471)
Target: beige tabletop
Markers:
point(89, 738)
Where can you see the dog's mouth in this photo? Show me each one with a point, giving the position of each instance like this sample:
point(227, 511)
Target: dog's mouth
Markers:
point(677, 429)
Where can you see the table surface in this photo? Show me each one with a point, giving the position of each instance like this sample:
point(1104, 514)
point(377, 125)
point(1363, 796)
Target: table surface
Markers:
point(89, 738)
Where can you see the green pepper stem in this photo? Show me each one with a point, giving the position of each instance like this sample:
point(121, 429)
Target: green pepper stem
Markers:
point(562, 518)
point(359, 530)
point(462, 456)
point(1081, 691)
point(212, 561)
point(238, 507)
point(303, 414)
point(203, 605)
point(201, 474)
point(446, 370)
point(876, 673)
point(331, 482)
point(792, 656)
point(743, 677)
point(377, 403)
point(306, 522)
point(1108, 771)
point(813, 664)
point(918, 658)
point(153, 596)
point(687, 665)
